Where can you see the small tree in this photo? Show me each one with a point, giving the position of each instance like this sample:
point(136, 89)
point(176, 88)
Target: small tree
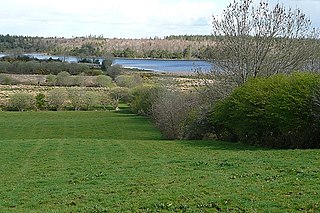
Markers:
point(51, 80)
point(77, 98)
point(257, 40)
point(106, 64)
point(91, 100)
point(170, 112)
point(118, 94)
point(103, 81)
point(64, 79)
point(40, 101)
point(22, 102)
point(105, 100)
point(128, 81)
point(114, 71)
point(78, 80)
point(57, 98)
point(143, 97)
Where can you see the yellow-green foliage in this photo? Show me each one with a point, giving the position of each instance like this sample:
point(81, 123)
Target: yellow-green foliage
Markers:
point(143, 97)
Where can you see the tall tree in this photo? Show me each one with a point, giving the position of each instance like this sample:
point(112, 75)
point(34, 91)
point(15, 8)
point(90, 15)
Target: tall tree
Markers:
point(260, 40)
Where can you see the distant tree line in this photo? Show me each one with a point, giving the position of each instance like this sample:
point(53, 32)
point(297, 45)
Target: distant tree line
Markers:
point(25, 65)
point(21, 44)
point(42, 68)
point(171, 47)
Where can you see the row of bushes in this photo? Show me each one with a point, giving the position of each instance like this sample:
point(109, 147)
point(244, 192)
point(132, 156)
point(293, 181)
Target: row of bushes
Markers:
point(66, 79)
point(80, 98)
point(281, 111)
point(44, 68)
point(74, 98)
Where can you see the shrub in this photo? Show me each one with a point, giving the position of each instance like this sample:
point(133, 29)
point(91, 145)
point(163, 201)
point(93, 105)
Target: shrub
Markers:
point(143, 97)
point(6, 80)
point(103, 81)
point(64, 79)
point(118, 94)
point(128, 81)
point(83, 100)
point(57, 98)
point(114, 71)
point(51, 80)
point(197, 124)
point(78, 80)
point(21, 102)
point(40, 101)
point(170, 111)
point(273, 112)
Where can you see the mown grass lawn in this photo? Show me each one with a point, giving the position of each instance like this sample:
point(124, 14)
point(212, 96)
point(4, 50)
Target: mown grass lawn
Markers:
point(117, 162)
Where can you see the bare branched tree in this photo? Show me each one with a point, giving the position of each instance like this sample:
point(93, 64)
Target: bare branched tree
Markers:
point(258, 40)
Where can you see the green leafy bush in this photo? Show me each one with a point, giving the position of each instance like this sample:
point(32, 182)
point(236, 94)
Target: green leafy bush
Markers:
point(64, 79)
point(57, 98)
point(128, 81)
point(276, 112)
point(40, 101)
point(197, 124)
point(21, 102)
point(143, 97)
point(103, 81)
point(117, 95)
point(80, 99)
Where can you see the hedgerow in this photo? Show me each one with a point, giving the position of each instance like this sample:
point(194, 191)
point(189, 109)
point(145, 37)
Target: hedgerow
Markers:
point(278, 111)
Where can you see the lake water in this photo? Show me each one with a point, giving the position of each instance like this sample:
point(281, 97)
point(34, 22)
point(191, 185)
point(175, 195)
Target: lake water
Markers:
point(164, 65)
point(177, 66)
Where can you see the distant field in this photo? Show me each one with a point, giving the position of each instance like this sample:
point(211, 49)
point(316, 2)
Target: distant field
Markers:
point(117, 162)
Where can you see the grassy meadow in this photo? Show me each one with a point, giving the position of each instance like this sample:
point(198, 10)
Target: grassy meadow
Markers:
point(118, 162)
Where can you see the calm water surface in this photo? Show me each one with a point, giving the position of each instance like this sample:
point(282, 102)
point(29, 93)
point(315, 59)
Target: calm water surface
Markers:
point(142, 64)
point(163, 65)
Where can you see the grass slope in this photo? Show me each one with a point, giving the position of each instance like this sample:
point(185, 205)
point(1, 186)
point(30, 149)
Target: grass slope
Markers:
point(117, 162)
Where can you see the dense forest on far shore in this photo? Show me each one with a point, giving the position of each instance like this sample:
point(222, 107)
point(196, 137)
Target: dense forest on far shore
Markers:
point(171, 47)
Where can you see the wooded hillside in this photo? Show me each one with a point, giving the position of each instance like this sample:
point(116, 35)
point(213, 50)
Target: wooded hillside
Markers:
point(168, 47)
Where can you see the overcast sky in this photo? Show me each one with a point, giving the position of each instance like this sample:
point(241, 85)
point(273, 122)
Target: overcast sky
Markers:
point(120, 18)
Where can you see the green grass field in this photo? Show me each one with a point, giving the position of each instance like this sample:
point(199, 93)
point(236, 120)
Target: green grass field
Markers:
point(117, 162)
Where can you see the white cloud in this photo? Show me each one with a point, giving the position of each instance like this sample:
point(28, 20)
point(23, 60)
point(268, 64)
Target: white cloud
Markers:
point(126, 18)
point(112, 18)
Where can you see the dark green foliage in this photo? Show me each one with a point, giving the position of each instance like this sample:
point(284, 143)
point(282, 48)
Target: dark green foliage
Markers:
point(40, 101)
point(21, 65)
point(273, 112)
point(106, 64)
point(197, 125)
